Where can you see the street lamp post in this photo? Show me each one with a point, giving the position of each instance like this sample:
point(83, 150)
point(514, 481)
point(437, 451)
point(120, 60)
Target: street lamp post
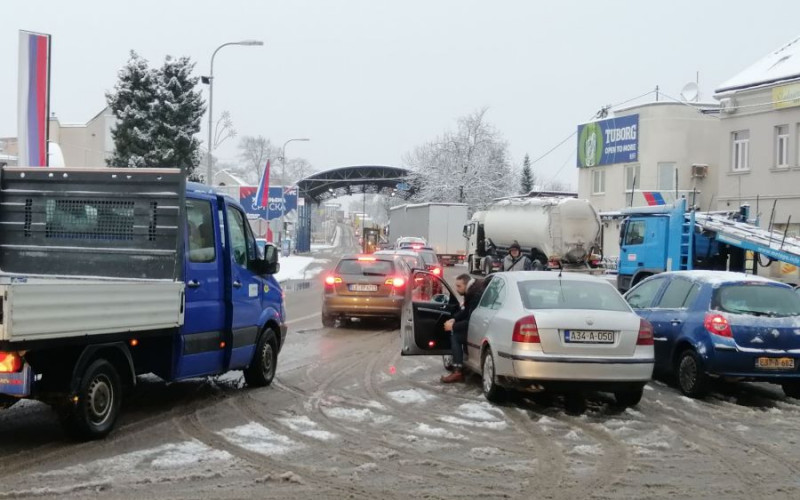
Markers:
point(283, 187)
point(210, 81)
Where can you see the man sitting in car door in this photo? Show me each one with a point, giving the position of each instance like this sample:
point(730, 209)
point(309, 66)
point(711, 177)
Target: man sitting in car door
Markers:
point(471, 290)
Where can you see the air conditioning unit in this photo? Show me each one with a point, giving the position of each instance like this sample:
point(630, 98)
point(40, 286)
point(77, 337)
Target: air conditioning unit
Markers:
point(699, 171)
point(727, 106)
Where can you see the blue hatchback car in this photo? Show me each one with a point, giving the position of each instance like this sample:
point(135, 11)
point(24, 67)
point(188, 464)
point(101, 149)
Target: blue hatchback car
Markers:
point(719, 324)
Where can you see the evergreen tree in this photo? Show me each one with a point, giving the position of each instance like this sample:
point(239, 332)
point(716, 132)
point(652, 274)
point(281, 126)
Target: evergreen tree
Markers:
point(132, 102)
point(177, 117)
point(527, 176)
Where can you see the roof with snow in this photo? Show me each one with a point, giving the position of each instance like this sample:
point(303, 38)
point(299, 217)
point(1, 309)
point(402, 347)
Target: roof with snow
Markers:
point(780, 65)
point(343, 181)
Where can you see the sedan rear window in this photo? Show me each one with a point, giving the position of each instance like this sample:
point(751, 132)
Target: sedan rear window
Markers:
point(756, 300)
point(429, 258)
point(563, 294)
point(365, 267)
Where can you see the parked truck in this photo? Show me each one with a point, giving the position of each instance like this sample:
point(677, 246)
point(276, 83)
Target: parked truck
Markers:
point(108, 274)
point(439, 224)
point(671, 238)
point(553, 232)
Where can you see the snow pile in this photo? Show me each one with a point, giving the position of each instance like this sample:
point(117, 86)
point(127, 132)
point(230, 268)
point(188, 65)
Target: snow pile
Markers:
point(257, 438)
point(356, 415)
point(411, 396)
point(485, 452)
point(585, 450)
point(307, 427)
point(293, 268)
point(477, 415)
point(572, 436)
point(438, 432)
point(168, 456)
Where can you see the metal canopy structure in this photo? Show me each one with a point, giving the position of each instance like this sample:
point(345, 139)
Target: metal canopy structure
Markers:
point(375, 179)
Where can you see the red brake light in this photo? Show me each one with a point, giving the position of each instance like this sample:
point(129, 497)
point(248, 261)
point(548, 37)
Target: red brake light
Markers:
point(526, 331)
point(416, 247)
point(645, 333)
point(396, 282)
point(367, 259)
point(437, 271)
point(10, 362)
point(332, 280)
point(717, 324)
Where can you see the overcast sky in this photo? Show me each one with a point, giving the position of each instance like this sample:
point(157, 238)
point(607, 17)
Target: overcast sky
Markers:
point(369, 80)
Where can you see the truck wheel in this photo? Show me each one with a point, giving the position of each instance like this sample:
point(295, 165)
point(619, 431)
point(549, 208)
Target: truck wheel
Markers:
point(99, 399)
point(470, 265)
point(265, 360)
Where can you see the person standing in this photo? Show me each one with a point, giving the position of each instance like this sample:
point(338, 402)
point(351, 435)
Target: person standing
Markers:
point(515, 261)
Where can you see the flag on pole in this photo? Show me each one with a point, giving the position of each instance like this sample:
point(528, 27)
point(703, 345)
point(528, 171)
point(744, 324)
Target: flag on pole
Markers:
point(33, 98)
point(261, 199)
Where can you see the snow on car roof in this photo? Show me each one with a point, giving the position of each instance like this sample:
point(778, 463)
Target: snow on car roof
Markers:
point(779, 65)
point(718, 277)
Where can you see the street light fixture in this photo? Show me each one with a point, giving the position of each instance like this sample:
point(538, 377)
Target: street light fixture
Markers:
point(283, 188)
point(210, 81)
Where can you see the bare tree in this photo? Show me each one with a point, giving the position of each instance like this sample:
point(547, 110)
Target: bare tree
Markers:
point(469, 165)
point(254, 153)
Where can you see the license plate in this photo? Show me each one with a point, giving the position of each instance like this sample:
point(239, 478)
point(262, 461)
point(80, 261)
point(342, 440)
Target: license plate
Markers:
point(775, 363)
point(588, 337)
point(363, 288)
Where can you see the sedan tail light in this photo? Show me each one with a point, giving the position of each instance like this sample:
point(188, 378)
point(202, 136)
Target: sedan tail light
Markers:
point(526, 331)
point(645, 333)
point(437, 271)
point(10, 362)
point(717, 324)
point(397, 282)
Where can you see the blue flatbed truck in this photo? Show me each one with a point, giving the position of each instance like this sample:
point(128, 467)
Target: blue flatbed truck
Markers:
point(107, 274)
point(671, 238)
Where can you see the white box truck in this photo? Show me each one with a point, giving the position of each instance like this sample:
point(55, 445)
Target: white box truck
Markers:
point(440, 224)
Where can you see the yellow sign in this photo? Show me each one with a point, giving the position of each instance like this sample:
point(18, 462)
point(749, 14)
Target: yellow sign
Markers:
point(786, 96)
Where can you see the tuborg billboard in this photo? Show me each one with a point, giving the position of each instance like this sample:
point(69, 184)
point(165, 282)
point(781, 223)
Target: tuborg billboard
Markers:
point(606, 142)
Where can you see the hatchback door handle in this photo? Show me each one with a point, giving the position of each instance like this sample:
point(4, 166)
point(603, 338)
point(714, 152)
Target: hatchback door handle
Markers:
point(237, 284)
point(193, 284)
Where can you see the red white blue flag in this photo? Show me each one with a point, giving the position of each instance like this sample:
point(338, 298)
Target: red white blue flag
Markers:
point(261, 199)
point(33, 98)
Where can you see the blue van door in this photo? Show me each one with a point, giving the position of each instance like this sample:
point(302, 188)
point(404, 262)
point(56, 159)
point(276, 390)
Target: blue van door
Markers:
point(200, 348)
point(246, 289)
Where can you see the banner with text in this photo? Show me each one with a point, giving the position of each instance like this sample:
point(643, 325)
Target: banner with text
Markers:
point(606, 142)
point(247, 195)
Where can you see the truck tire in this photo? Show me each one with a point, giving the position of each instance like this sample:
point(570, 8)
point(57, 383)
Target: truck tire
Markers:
point(470, 265)
point(265, 361)
point(99, 398)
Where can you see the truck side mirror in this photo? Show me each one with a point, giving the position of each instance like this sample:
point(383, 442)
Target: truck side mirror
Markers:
point(269, 263)
point(622, 229)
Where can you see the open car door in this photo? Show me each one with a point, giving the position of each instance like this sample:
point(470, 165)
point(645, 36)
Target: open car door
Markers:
point(429, 304)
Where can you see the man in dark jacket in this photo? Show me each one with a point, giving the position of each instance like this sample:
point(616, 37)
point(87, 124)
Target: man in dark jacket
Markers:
point(471, 289)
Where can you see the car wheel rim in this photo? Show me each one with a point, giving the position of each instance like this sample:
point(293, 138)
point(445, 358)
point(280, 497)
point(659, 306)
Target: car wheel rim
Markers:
point(488, 374)
point(268, 365)
point(100, 399)
point(688, 373)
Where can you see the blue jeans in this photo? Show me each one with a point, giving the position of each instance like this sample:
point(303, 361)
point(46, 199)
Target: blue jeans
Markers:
point(457, 343)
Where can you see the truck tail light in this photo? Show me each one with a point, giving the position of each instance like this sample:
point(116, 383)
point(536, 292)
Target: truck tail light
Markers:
point(645, 333)
point(10, 362)
point(526, 331)
point(717, 324)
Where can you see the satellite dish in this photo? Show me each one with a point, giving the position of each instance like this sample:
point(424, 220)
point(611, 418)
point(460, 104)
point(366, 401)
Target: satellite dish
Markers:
point(690, 92)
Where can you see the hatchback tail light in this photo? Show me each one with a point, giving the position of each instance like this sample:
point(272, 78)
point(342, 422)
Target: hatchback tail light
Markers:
point(332, 280)
point(10, 362)
point(437, 271)
point(717, 324)
point(525, 330)
point(396, 282)
point(645, 333)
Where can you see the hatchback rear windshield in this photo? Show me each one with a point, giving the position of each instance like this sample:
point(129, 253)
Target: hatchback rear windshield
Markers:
point(562, 294)
point(756, 300)
point(430, 258)
point(365, 267)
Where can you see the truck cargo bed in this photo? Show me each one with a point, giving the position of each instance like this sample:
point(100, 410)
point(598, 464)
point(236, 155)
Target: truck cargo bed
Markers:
point(55, 308)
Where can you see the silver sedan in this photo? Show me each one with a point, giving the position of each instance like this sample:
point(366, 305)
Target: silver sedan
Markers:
point(539, 330)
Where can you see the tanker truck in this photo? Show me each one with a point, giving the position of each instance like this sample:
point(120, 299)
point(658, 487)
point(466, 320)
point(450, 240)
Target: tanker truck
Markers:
point(553, 233)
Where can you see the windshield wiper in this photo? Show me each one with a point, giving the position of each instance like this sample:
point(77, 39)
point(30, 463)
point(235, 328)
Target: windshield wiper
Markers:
point(750, 311)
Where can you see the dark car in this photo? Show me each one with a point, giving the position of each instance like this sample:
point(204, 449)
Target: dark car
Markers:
point(431, 260)
point(720, 324)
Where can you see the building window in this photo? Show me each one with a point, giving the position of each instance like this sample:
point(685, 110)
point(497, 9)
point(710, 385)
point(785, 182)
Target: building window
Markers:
point(782, 146)
point(598, 181)
point(666, 176)
point(633, 177)
point(740, 159)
